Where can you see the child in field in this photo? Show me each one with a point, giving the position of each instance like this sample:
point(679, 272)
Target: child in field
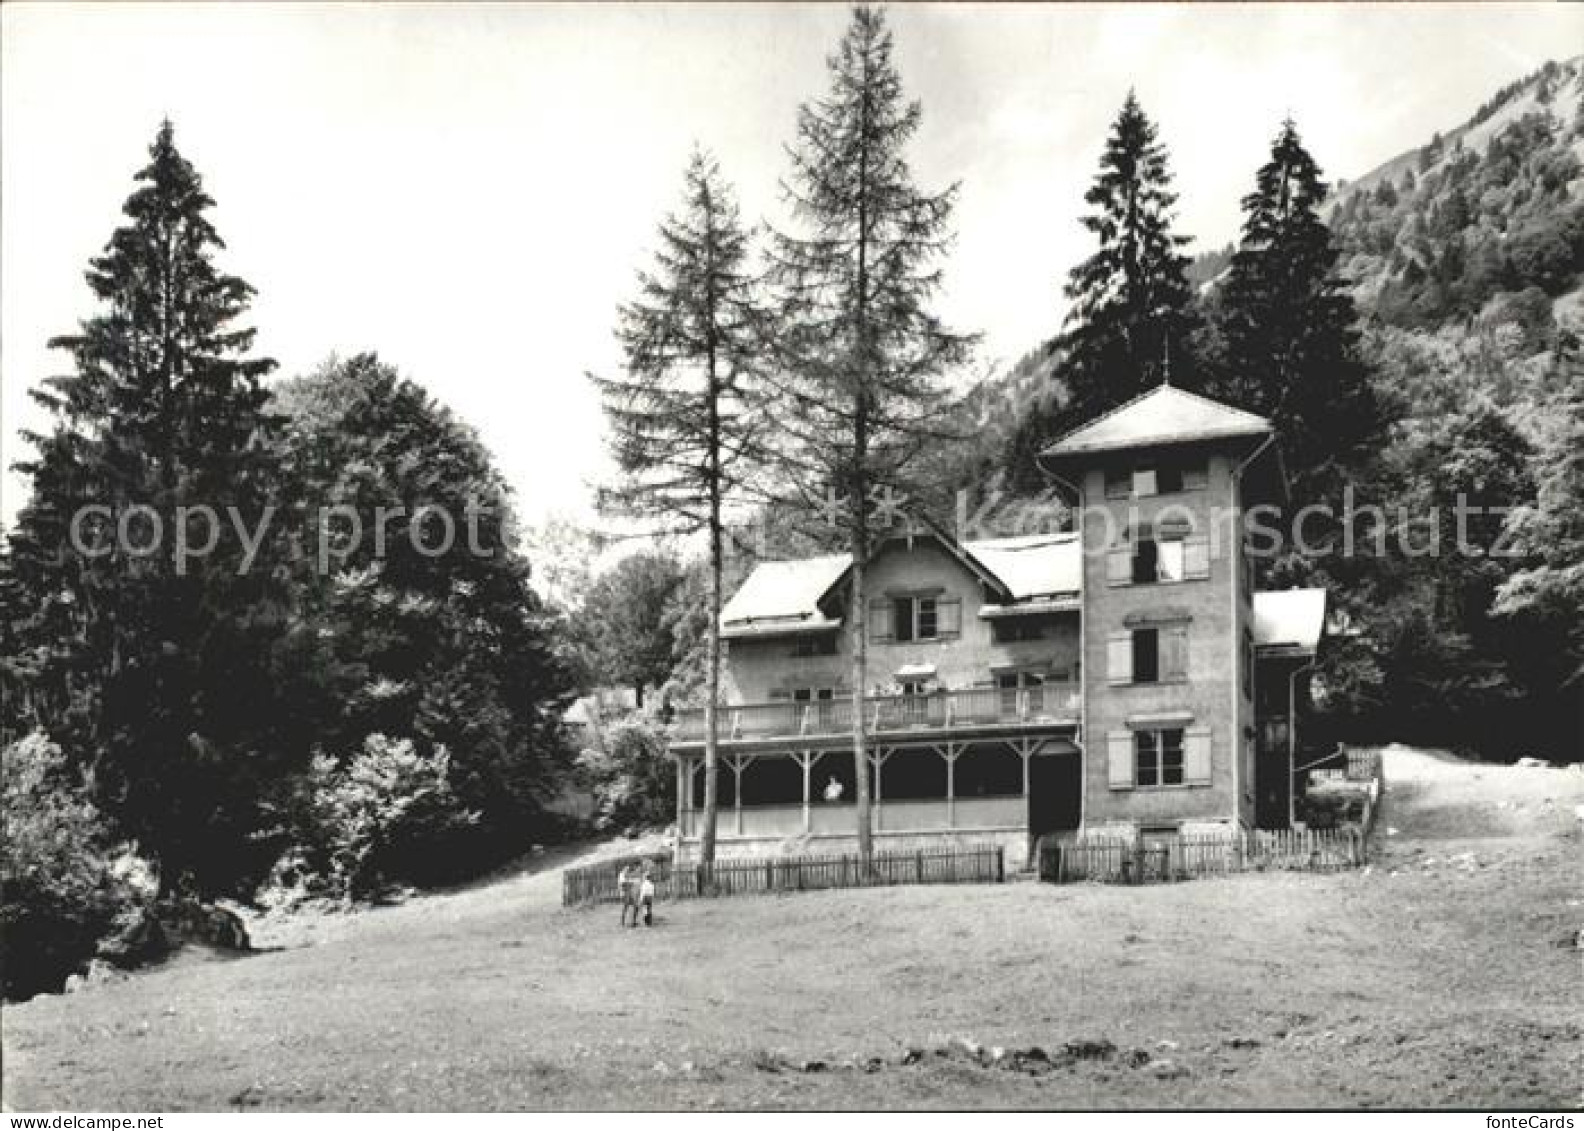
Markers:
point(646, 894)
point(627, 887)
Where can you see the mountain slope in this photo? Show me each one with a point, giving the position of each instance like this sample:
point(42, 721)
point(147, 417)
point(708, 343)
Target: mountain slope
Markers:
point(1495, 208)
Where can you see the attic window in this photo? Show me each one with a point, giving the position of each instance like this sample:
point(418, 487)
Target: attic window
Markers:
point(1157, 477)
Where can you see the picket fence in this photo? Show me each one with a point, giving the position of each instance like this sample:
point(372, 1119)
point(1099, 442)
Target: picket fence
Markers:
point(1188, 857)
point(946, 865)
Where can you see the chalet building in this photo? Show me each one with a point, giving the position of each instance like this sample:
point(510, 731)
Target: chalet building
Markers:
point(1119, 680)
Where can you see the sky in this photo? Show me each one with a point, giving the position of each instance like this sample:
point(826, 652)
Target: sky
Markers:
point(469, 190)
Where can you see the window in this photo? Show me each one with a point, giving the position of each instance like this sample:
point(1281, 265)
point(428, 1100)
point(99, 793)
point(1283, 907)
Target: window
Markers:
point(935, 616)
point(1164, 477)
point(1169, 560)
point(822, 644)
point(1165, 559)
point(1160, 753)
point(1010, 683)
point(915, 618)
point(1159, 557)
point(1158, 757)
point(1146, 561)
point(820, 698)
point(1146, 655)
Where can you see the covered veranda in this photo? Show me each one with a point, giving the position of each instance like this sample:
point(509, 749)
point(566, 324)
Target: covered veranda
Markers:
point(936, 784)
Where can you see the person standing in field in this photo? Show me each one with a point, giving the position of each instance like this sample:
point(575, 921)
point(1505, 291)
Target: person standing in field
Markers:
point(646, 894)
point(627, 888)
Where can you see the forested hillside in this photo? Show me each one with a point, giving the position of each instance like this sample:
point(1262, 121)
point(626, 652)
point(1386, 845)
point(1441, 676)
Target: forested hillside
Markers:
point(1466, 254)
point(1460, 269)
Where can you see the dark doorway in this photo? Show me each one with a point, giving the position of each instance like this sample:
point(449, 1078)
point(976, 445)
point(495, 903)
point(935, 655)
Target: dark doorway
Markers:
point(1055, 790)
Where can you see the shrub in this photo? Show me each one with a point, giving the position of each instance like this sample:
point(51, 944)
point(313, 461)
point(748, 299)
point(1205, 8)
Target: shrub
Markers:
point(383, 817)
point(634, 781)
point(63, 886)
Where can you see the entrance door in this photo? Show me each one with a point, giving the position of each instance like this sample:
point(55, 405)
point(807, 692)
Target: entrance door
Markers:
point(1055, 790)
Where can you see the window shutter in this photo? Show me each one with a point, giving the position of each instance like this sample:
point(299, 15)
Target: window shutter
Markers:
point(1119, 657)
point(1195, 476)
point(1196, 557)
point(1119, 565)
point(880, 630)
point(1196, 756)
point(948, 616)
point(1118, 484)
point(1174, 652)
point(1119, 744)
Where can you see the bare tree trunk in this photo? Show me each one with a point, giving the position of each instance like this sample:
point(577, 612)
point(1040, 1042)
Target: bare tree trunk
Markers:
point(860, 676)
point(712, 703)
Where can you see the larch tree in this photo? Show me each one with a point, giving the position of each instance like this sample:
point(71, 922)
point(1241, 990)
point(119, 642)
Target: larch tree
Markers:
point(143, 656)
point(684, 430)
point(860, 355)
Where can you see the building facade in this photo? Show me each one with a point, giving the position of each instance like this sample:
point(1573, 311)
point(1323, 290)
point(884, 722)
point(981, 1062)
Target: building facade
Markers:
point(1102, 682)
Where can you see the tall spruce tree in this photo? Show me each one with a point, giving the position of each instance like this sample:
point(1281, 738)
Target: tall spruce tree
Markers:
point(683, 425)
point(1129, 317)
point(860, 353)
point(1131, 314)
point(1284, 338)
point(151, 665)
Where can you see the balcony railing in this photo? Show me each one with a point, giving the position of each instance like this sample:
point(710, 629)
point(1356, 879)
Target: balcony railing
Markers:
point(942, 710)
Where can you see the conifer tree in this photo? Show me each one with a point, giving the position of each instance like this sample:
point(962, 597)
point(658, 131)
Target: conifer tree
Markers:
point(1130, 299)
point(149, 663)
point(1131, 313)
point(860, 353)
point(683, 426)
point(1287, 345)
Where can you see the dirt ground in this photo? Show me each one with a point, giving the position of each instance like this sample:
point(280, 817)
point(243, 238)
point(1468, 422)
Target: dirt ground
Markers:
point(1446, 974)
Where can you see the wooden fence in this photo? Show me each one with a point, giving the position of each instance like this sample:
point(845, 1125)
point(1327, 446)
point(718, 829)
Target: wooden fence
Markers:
point(945, 865)
point(1184, 858)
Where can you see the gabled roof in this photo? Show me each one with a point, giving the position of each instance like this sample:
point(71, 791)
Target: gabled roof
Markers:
point(786, 594)
point(1164, 415)
point(785, 597)
point(1289, 620)
point(921, 526)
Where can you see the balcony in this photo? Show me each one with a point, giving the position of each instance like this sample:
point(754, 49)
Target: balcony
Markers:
point(974, 709)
